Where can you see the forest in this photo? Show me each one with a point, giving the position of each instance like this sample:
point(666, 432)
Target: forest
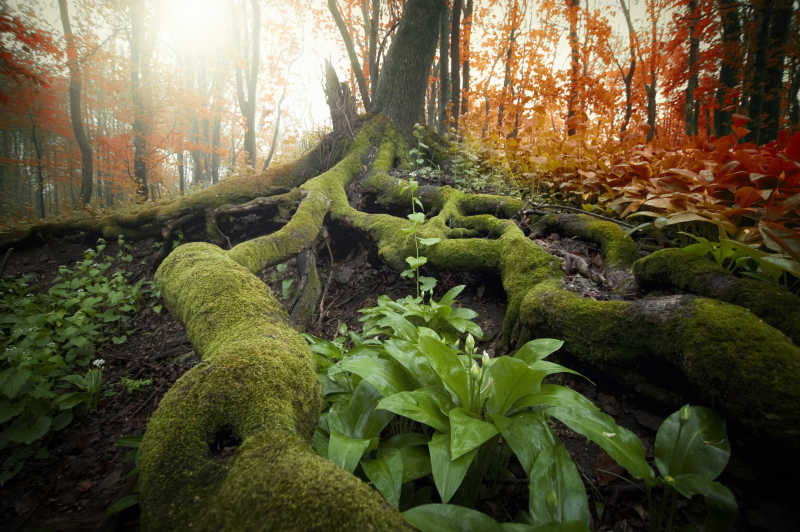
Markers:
point(444, 265)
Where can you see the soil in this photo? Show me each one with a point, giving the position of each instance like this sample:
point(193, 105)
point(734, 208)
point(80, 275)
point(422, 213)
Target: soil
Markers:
point(86, 473)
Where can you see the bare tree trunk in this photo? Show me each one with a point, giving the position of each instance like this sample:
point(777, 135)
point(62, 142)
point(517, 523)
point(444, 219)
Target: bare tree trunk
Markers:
point(247, 102)
point(455, 61)
point(729, 69)
point(755, 88)
point(573, 6)
point(374, 22)
point(142, 117)
point(181, 173)
point(773, 84)
point(444, 77)
point(465, 53)
point(628, 78)
point(275, 132)
point(351, 53)
point(87, 160)
point(691, 106)
point(39, 171)
point(650, 88)
point(513, 9)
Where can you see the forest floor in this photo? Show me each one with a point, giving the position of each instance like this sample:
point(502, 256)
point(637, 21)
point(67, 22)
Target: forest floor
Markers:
point(86, 473)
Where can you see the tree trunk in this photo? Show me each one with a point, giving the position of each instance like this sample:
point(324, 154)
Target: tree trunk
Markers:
point(39, 170)
point(87, 160)
point(627, 79)
point(757, 70)
point(455, 61)
point(374, 22)
point(444, 77)
point(466, 53)
point(512, 37)
point(572, 11)
point(729, 69)
point(351, 53)
point(650, 88)
point(246, 95)
point(142, 120)
point(404, 78)
point(691, 106)
point(773, 84)
point(275, 133)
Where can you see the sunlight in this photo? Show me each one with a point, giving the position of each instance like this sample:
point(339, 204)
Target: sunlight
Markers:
point(192, 24)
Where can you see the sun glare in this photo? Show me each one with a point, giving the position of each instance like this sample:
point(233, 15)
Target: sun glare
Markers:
point(193, 24)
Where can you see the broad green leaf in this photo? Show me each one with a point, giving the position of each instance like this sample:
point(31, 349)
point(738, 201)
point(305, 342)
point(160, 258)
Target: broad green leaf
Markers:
point(551, 368)
point(427, 284)
point(581, 415)
point(447, 474)
point(450, 518)
point(423, 405)
point(445, 362)
point(569, 526)
point(22, 430)
point(429, 241)
point(407, 355)
point(557, 493)
point(386, 474)
point(526, 434)
point(697, 446)
point(9, 410)
point(401, 326)
point(512, 379)
point(416, 262)
point(416, 217)
point(413, 449)
point(15, 379)
point(467, 432)
point(358, 418)
point(62, 420)
point(123, 503)
point(450, 296)
point(387, 376)
point(538, 349)
point(345, 451)
point(721, 503)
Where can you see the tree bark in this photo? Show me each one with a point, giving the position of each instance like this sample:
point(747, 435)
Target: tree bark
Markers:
point(374, 23)
point(87, 160)
point(142, 121)
point(247, 101)
point(773, 84)
point(444, 77)
point(572, 12)
point(513, 10)
point(627, 79)
point(466, 54)
point(401, 89)
point(691, 108)
point(729, 69)
point(455, 61)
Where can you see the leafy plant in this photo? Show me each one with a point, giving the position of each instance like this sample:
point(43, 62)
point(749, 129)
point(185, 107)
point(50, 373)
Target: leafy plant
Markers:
point(133, 386)
point(47, 337)
point(133, 443)
point(744, 260)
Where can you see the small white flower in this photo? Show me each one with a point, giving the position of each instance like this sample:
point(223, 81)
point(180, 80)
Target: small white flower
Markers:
point(98, 362)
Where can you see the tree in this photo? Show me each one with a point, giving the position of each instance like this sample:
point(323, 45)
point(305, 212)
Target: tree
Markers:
point(87, 159)
point(729, 66)
point(247, 74)
point(141, 53)
point(691, 106)
point(256, 390)
point(574, 46)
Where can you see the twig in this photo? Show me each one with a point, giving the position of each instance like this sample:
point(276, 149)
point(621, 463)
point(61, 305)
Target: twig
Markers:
point(327, 285)
point(5, 261)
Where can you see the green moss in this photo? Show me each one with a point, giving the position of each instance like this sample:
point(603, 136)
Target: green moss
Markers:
point(619, 250)
point(501, 206)
point(257, 381)
point(676, 268)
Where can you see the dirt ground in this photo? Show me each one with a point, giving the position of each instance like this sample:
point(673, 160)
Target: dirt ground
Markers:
point(86, 473)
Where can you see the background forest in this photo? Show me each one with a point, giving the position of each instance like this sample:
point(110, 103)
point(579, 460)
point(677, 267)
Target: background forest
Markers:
point(635, 105)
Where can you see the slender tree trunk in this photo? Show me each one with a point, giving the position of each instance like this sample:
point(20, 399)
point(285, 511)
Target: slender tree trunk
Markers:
point(87, 161)
point(773, 84)
point(512, 37)
point(247, 101)
point(275, 132)
point(455, 61)
point(181, 172)
point(351, 53)
point(729, 69)
point(628, 78)
point(650, 88)
point(142, 120)
point(755, 98)
point(794, 92)
point(444, 77)
point(372, 49)
point(572, 7)
point(39, 170)
point(433, 90)
point(466, 52)
point(401, 89)
point(691, 107)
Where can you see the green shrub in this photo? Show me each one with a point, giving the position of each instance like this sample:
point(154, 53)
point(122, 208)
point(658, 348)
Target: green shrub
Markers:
point(48, 339)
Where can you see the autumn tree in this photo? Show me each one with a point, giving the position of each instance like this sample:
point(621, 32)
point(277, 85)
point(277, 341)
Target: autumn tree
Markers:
point(87, 159)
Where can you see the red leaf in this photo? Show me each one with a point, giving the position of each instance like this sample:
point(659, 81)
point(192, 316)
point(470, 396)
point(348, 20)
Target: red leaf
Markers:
point(793, 147)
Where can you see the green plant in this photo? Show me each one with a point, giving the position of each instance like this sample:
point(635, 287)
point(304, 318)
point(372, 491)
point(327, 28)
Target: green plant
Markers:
point(691, 451)
point(47, 338)
point(132, 386)
point(424, 284)
point(133, 443)
point(741, 259)
point(421, 156)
